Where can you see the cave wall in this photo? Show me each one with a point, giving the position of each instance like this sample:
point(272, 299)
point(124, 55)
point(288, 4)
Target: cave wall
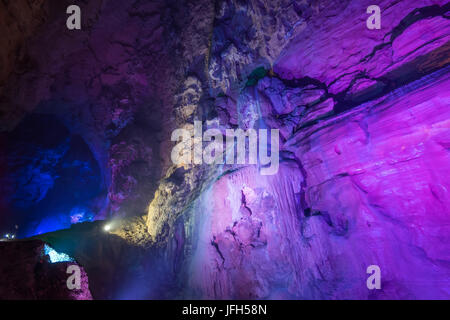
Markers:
point(30, 274)
point(50, 179)
point(365, 188)
point(364, 137)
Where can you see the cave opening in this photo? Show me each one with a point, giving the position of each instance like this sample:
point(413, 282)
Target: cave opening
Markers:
point(49, 178)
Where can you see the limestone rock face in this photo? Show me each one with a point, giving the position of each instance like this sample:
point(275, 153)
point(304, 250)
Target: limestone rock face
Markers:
point(248, 34)
point(18, 21)
point(52, 178)
point(30, 275)
point(364, 126)
point(249, 233)
point(115, 82)
point(363, 188)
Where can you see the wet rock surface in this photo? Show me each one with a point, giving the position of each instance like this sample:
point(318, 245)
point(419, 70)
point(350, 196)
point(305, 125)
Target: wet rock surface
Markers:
point(30, 275)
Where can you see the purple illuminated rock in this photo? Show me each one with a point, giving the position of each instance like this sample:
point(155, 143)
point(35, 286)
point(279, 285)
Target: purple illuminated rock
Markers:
point(30, 275)
point(364, 136)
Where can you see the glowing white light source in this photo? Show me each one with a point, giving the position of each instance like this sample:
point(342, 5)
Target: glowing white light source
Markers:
point(107, 227)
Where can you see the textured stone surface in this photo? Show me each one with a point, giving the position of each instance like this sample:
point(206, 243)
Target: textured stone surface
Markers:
point(51, 178)
point(28, 274)
point(244, 223)
point(18, 21)
point(112, 85)
point(368, 187)
point(340, 49)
